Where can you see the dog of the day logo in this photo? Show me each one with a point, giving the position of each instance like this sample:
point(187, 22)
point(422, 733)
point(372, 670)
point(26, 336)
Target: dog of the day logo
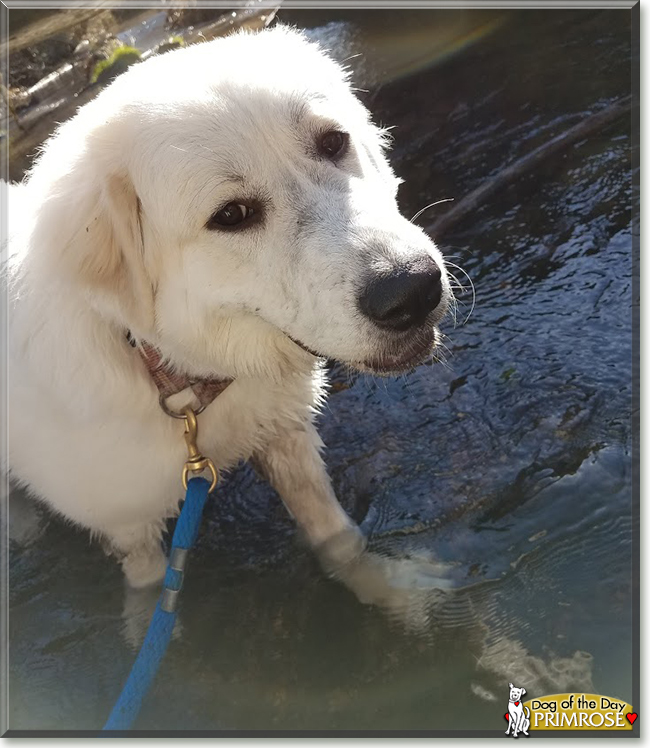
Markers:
point(567, 711)
point(518, 715)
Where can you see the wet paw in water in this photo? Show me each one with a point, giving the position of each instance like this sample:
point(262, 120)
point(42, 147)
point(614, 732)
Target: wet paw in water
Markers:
point(405, 589)
point(139, 606)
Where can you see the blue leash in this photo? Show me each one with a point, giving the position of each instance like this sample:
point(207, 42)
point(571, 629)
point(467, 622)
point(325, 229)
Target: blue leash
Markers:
point(162, 623)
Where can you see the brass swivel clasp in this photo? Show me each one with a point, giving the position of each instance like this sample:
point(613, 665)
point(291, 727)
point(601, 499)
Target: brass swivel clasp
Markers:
point(196, 462)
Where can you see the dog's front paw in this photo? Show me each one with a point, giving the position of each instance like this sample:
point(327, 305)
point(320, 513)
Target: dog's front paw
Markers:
point(144, 567)
point(139, 607)
point(341, 550)
point(406, 589)
point(369, 577)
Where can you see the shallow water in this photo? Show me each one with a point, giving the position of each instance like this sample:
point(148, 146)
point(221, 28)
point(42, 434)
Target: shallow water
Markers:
point(508, 465)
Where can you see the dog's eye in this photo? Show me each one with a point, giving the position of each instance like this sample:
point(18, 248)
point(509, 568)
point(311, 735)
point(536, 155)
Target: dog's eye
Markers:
point(333, 143)
point(231, 214)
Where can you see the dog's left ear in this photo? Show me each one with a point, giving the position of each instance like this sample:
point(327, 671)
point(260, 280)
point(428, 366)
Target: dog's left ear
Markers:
point(523, 691)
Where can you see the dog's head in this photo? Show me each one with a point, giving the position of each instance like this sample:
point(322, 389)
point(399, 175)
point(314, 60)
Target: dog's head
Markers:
point(231, 201)
point(516, 693)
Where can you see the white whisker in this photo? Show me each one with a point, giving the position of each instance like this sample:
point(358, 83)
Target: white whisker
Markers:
point(451, 264)
point(426, 207)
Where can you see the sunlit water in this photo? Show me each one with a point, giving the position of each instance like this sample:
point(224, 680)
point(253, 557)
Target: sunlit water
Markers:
point(509, 465)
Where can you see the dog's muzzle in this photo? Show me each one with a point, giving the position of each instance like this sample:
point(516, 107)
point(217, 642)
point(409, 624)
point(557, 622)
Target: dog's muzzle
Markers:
point(402, 298)
point(400, 302)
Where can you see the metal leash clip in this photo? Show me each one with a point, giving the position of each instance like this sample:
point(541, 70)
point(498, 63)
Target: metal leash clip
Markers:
point(196, 462)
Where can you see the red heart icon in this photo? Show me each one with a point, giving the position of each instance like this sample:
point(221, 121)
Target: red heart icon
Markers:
point(516, 703)
point(631, 717)
point(506, 715)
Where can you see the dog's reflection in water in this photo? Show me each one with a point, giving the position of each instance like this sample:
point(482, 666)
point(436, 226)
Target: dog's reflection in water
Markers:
point(420, 595)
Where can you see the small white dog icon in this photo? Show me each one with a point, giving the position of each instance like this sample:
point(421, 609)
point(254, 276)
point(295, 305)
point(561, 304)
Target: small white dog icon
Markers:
point(518, 714)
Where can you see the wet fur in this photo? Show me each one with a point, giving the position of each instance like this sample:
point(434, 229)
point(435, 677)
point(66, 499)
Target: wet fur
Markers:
point(108, 234)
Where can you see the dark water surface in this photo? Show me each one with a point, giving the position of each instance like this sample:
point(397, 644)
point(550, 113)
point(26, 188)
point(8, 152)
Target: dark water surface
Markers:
point(510, 462)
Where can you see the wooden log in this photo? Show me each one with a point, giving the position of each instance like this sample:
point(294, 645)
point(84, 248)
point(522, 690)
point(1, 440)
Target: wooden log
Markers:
point(475, 199)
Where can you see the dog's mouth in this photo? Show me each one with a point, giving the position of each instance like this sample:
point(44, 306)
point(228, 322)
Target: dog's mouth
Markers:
point(390, 362)
point(397, 362)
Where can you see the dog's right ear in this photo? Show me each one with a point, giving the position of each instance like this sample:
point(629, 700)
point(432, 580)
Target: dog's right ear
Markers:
point(91, 228)
point(510, 684)
point(112, 257)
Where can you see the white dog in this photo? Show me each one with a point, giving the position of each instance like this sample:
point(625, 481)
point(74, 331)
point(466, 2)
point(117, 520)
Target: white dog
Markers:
point(519, 715)
point(225, 212)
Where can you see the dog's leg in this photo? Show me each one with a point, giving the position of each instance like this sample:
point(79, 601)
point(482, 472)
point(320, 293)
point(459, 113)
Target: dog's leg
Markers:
point(139, 551)
point(292, 464)
point(522, 722)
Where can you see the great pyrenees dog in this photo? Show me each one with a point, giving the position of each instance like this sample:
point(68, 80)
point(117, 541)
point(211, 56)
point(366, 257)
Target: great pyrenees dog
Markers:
point(228, 210)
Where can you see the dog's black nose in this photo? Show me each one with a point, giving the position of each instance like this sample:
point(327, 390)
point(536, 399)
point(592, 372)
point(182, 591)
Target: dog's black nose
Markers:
point(402, 298)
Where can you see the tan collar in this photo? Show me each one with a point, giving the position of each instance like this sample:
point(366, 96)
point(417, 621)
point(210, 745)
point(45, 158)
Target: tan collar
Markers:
point(170, 382)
